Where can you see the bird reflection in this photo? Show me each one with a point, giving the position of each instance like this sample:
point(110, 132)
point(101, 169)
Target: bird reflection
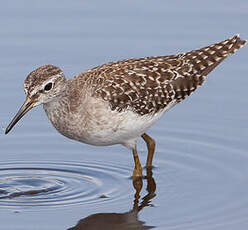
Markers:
point(123, 221)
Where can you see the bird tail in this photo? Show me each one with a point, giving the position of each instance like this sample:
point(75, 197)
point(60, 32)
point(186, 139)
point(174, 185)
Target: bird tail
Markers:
point(202, 62)
point(207, 58)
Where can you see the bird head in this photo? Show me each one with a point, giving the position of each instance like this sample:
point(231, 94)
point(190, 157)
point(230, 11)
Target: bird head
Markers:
point(41, 86)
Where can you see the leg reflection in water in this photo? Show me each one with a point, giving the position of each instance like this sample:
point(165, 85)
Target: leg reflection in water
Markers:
point(123, 221)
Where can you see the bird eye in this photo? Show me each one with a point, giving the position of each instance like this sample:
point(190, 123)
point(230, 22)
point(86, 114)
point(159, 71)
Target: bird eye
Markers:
point(48, 86)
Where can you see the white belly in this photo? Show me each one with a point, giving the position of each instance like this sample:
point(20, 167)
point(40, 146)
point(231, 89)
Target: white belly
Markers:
point(97, 124)
point(129, 126)
point(124, 128)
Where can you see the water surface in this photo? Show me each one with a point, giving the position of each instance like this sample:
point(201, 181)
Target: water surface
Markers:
point(200, 178)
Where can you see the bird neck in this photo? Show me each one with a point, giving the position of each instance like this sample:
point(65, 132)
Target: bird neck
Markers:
point(54, 107)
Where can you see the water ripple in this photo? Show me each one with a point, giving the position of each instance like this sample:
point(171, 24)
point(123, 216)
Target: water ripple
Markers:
point(52, 184)
point(202, 181)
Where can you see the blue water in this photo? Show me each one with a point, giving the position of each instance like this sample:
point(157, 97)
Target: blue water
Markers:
point(201, 162)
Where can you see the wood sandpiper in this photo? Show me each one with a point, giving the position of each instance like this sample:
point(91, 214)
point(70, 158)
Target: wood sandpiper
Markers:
point(117, 102)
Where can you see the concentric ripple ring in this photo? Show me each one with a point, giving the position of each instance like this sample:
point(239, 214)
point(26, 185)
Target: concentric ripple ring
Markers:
point(65, 183)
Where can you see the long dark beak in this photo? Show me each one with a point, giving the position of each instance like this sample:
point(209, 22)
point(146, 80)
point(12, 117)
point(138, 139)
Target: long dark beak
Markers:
point(28, 104)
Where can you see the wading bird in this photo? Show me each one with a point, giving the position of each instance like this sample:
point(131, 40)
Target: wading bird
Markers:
point(117, 102)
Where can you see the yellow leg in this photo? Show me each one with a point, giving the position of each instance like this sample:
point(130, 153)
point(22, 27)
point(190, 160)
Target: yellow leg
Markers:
point(151, 189)
point(137, 172)
point(151, 149)
point(137, 184)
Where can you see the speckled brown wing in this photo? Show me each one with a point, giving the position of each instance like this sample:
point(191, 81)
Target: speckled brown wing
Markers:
point(147, 85)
